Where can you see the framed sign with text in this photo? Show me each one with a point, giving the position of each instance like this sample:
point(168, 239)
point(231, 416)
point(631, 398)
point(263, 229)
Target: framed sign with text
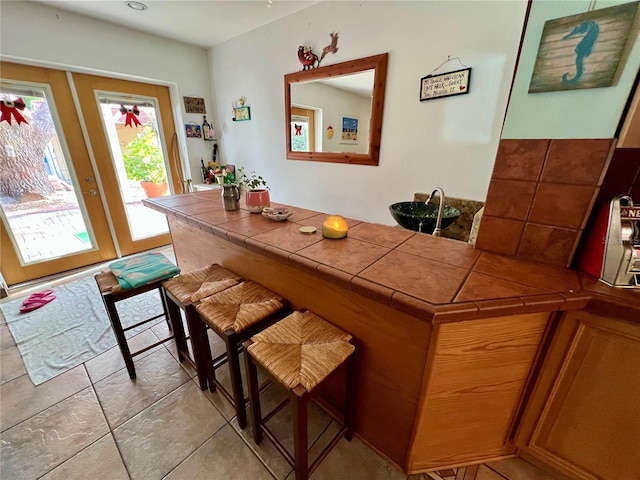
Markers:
point(194, 105)
point(241, 114)
point(445, 84)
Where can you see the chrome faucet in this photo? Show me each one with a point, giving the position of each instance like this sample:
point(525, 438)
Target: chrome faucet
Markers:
point(440, 192)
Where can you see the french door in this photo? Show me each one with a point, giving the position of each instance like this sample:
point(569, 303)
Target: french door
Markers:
point(131, 150)
point(60, 210)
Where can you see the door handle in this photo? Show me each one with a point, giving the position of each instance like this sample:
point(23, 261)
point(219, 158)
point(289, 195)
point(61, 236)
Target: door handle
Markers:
point(93, 192)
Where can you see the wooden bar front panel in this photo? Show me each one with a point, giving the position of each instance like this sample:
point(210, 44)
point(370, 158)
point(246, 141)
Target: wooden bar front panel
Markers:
point(474, 382)
point(391, 346)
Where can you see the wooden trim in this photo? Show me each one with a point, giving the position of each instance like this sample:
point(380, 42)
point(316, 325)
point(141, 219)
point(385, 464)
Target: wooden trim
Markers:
point(630, 132)
point(534, 373)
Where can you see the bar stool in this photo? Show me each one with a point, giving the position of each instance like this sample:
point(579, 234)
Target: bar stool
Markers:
point(112, 293)
point(182, 293)
point(299, 353)
point(236, 314)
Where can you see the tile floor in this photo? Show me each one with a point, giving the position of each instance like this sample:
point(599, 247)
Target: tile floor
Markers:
point(93, 422)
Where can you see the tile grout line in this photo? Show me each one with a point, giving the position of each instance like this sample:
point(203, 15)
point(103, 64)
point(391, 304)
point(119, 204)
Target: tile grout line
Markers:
point(107, 422)
point(494, 470)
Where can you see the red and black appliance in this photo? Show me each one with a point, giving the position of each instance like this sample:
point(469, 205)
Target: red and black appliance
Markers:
point(612, 251)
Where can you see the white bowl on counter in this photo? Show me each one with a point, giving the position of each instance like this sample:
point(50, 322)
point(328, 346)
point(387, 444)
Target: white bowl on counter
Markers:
point(277, 214)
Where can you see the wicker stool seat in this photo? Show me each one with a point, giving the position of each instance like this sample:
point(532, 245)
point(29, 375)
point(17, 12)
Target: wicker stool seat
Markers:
point(112, 293)
point(198, 284)
point(182, 293)
point(299, 352)
point(234, 315)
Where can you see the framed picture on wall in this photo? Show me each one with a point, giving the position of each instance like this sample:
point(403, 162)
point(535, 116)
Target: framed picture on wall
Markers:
point(194, 105)
point(349, 129)
point(585, 50)
point(241, 114)
point(193, 130)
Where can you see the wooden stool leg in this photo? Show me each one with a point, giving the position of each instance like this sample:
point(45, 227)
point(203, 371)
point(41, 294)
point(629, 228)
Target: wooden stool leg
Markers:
point(200, 356)
point(254, 396)
point(165, 307)
point(206, 353)
point(117, 328)
point(175, 320)
point(236, 378)
point(349, 400)
point(300, 436)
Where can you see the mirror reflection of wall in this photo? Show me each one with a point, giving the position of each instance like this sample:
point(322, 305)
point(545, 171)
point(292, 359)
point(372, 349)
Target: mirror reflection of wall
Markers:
point(326, 102)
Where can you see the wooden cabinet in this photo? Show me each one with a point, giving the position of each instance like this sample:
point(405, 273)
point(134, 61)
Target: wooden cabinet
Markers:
point(583, 419)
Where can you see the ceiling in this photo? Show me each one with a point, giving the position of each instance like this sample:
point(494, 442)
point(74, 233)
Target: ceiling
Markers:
point(201, 23)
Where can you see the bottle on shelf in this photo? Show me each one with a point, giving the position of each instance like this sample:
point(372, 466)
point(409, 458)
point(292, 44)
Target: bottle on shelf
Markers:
point(207, 132)
point(203, 171)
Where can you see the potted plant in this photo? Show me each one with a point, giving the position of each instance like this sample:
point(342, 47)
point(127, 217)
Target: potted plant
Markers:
point(257, 191)
point(144, 163)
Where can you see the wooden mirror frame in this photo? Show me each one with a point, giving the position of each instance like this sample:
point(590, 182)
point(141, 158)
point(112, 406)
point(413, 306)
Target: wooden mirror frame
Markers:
point(379, 64)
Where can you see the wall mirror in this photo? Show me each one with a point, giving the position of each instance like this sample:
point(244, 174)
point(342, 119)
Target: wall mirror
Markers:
point(334, 113)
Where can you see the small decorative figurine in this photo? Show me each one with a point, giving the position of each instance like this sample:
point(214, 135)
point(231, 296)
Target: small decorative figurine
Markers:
point(331, 48)
point(307, 58)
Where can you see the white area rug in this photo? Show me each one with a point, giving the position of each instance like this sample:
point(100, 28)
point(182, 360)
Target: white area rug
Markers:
point(73, 328)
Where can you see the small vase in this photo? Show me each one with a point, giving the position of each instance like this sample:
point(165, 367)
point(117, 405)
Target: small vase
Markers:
point(256, 200)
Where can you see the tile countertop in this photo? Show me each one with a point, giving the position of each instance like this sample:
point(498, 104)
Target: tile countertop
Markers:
point(436, 279)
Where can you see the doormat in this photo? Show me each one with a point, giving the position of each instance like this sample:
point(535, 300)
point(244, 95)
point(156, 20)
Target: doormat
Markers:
point(74, 327)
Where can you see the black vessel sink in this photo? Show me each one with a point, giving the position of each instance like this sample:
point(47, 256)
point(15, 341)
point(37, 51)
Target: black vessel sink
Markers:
point(420, 217)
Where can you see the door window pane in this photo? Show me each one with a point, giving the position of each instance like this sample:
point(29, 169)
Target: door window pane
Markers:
point(137, 150)
point(39, 197)
point(299, 134)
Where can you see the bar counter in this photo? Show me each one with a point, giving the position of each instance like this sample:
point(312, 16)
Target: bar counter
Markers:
point(448, 336)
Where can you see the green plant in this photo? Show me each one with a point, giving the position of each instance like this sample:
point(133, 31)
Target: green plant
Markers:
point(144, 161)
point(251, 181)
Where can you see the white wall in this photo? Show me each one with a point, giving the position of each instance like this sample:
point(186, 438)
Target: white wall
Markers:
point(448, 142)
point(588, 113)
point(32, 33)
point(333, 103)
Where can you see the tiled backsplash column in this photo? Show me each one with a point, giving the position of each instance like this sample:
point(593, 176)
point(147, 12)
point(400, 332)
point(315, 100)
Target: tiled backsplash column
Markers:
point(540, 197)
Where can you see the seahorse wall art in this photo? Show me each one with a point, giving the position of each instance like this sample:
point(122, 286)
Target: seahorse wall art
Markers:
point(589, 31)
point(588, 50)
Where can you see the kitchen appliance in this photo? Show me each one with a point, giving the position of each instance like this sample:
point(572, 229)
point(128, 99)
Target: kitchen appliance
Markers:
point(612, 250)
point(230, 196)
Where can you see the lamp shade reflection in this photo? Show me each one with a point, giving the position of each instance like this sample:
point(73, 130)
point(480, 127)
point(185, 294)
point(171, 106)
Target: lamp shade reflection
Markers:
point(334, 226)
